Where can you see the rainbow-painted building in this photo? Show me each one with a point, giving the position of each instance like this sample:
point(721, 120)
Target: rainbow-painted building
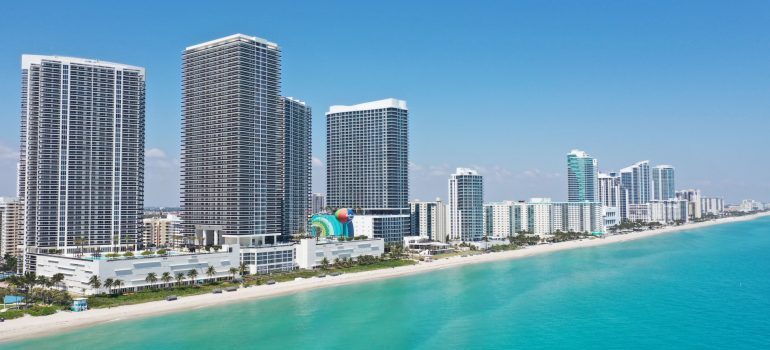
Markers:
point(339, 224)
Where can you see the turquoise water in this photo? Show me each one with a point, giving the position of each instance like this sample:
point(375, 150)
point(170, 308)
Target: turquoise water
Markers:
point(702, 289)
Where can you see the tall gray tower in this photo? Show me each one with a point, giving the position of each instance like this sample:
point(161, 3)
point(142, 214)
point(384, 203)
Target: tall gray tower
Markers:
point(232, 122)
point(296, 165)
point(367, 169)
point(81, 173)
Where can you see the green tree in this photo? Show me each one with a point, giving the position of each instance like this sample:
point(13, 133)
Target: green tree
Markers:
point(117, 283)
point(324, 263)
point(108, 283)
point(242, 269)
point(166, 278)
point(151, 278)
point(179, 277)
point(192, 274)
point(57, 279)
point(11, 263)
point(211, 272)
point(233, 271)
point(95, 283)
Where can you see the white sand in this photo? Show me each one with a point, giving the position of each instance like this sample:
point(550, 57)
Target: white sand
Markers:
point(30, 327)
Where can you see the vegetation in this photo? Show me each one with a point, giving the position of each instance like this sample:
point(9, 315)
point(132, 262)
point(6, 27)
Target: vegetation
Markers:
point(9, 263)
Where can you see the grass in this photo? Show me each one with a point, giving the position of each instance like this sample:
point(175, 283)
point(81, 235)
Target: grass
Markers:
point(107, 300)
point(36, 310)
point(449, 255)
point(290, 276)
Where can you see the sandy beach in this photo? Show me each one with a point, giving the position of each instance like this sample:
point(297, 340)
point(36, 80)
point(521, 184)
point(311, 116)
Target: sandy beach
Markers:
point(30, 327)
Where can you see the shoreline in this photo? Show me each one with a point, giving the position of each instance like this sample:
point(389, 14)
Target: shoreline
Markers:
point(32, 327)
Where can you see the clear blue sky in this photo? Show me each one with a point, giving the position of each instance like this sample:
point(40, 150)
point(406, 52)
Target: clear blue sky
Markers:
point(508, 87)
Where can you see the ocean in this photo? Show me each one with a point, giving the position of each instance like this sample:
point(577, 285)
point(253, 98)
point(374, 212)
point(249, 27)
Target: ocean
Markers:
point(701, 289)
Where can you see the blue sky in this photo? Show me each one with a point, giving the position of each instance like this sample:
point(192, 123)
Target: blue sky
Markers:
point(508, 87)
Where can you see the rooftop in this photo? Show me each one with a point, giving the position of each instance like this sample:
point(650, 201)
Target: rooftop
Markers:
point(381, 104)
point(229, 38)
point(27, 60)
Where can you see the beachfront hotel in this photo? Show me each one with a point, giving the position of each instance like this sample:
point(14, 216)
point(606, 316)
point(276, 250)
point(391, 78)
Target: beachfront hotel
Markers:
point(232, 122)
point(11, 227)
point(367, 166)
point(506, 218)
point(466, 205)
point(296, 206)
point(81, 172)
point(582, 177)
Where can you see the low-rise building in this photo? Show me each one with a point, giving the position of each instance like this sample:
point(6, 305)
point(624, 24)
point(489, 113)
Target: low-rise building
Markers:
point(311, 252)
point(133, 271)
point(390, 227)
point(269, 258)
point(426, 247)
point(712, 206)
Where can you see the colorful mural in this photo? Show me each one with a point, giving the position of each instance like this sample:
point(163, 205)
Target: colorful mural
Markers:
point(339, 224)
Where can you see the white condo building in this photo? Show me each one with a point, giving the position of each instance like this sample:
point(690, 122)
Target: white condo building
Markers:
point(712, 206)
point(81, 172)
point(367, 166)
point(692, 196)
point(636, 181)
point(429, 219)
point(466, 205)
point(506, 218)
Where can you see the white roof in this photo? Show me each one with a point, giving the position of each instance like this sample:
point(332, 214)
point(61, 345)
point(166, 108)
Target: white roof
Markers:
point(466, 171)
point(631, 168)
point(295, 100)
point(27, 60)
point(233, 37)
point(664, 166)
point(386, 103)
point(578, 153)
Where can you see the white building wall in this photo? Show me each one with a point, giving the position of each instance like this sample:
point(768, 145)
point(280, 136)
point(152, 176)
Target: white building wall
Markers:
point(133, 271)
point(310, 252)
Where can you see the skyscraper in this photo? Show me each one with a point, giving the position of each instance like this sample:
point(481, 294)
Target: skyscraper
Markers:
point(635, 180)
point(663, 186)
point(466, 205)
point(610, 190)
point(582, 177)
point(367, 149)
point(81, 174)
point(296, 165)
point(232, 130)
point(11, 227)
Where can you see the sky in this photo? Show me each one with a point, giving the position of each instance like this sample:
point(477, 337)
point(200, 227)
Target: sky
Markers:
point(506, 87)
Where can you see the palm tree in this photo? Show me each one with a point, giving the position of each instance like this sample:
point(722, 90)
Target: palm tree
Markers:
point(337, 262)
point(179, 278)
point(117, 283)
point(192, 274)
point(233, 270)
point(151, 278)
point(324, 263)
point(57, 279)
point(108, 283)
point(95, 283)
point(166, 277)
point(242, 268)
point(80, 242)
point(211, 272)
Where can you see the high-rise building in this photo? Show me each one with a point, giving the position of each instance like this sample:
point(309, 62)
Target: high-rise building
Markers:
point(539, 215)
point(692, 196)
point(669, 211)
point(500, 219)
point(428, 219)
point(582, 177)
point(296, 166)
point(613, 197)
point(232, 141)
point(367, 168)
point(663, 186)
point(319, 202)
point(11, 227)
point(466, 205)
point(635, 180)
point(81, 174)
point(164, 232)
